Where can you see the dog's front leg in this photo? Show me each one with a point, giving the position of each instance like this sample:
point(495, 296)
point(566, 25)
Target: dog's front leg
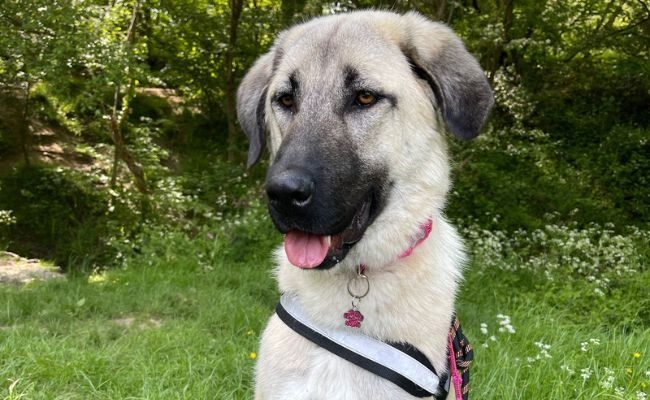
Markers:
point(281, 368)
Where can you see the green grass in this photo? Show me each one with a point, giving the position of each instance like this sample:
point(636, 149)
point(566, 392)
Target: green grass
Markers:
point(548, 351)
point(169, 325)
point(182, 317)
point(576, 302)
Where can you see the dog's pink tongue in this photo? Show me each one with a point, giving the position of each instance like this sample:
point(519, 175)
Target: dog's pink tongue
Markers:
point(305, 250)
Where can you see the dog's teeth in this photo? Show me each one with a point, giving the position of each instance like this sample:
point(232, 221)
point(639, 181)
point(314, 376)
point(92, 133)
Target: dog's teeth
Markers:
point(329, 240)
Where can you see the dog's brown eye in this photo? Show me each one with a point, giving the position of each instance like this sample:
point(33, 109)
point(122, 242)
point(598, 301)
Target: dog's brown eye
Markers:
point(365, 98)
point(286, 100)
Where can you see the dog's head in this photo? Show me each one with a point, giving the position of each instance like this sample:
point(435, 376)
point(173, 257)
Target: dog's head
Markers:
point(350, 108)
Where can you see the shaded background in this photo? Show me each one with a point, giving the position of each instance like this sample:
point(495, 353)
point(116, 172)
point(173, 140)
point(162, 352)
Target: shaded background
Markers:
point(116, 116)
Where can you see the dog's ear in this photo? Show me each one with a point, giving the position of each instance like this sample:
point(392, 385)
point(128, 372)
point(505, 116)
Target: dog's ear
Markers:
point(458, 82)
point(251, 100)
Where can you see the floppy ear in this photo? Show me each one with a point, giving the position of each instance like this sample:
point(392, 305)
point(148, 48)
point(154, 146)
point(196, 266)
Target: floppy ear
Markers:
point(458, 82)
point(251, 99)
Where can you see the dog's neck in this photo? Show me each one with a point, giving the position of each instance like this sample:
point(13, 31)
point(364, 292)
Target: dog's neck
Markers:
point(416, 240)
point(358, 286)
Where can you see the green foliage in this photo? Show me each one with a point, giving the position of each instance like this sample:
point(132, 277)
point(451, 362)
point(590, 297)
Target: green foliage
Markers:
point(621, 170)
point(569, 131)
point(36, 35)
point(573, 267)
point(522, 177)
point(6, 221)
point(58, 216)
point(568, 137)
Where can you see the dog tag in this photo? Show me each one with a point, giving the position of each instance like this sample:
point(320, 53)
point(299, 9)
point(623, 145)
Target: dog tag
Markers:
point(358, 287)
point(353, 318)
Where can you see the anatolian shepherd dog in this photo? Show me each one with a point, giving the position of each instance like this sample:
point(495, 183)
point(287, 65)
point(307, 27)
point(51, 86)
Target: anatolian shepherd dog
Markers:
point(353, 109)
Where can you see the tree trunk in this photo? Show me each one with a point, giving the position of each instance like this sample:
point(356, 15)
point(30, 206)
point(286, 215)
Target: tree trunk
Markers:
point(236, 7)
point(118, 121)
point(440, 10)
point(121, 151)
point(24, 129)
point(500, 56)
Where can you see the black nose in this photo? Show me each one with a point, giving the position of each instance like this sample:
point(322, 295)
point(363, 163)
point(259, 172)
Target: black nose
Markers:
point(290, 189)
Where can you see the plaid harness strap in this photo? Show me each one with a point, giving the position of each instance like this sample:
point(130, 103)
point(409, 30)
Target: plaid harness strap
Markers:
point(461, 356)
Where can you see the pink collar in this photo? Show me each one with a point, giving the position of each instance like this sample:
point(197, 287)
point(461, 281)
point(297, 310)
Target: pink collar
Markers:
point(423, 234)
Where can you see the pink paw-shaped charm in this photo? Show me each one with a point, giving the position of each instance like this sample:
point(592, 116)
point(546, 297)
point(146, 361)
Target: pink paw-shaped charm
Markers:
point(353, 318)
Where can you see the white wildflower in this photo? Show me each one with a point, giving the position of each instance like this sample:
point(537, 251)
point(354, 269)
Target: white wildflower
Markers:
point(543, 350)
point(584, 346)
point(505, 324)
point(608, 380)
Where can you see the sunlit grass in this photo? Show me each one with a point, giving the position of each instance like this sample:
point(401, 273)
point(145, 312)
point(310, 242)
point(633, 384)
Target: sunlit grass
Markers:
point(167, 325)
point(559, 313)
point(547, 356)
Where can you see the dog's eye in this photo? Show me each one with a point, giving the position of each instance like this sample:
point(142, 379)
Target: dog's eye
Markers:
point(286, 101)
point(365, 98)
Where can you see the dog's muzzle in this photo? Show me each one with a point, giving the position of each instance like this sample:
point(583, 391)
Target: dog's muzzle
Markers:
point(320, 226)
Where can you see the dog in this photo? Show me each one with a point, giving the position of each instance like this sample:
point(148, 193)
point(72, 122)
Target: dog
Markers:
point(354, 109)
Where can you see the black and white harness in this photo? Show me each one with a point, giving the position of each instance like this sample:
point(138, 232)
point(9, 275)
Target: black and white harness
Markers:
point(400, 363)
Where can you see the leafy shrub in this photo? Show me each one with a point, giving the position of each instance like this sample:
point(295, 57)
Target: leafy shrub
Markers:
point(621, 167)
point(59, 215)
point(213, 210)
point(523, 175)
point(149, 106)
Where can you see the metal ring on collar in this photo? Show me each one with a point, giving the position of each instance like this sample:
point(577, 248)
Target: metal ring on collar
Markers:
point(365, 282)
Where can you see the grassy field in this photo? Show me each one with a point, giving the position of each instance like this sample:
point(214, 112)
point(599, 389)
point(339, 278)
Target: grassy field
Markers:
point(559, 313)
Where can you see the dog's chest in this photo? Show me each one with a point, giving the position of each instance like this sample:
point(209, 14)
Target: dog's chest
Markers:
point(299, 369)
point(389, 314)
point(327, 377)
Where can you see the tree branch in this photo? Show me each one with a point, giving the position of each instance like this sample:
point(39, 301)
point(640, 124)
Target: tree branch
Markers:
point(601, 38)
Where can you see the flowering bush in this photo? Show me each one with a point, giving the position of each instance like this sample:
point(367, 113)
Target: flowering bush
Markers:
point(580, 267)
point(595, 254)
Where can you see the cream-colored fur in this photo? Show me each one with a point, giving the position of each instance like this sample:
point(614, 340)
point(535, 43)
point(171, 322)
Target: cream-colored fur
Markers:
point(411, 299)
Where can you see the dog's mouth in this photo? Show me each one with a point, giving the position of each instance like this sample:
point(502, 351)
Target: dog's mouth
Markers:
point(307, 250)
